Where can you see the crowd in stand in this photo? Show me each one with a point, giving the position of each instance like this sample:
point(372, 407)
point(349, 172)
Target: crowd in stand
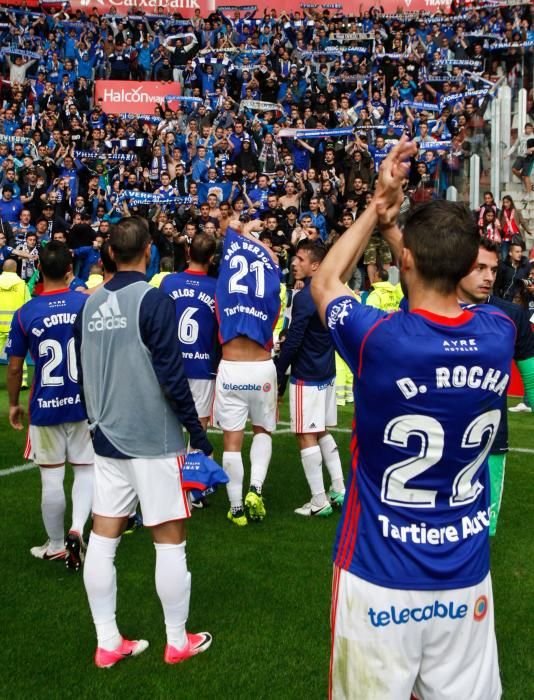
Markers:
point(283, 117)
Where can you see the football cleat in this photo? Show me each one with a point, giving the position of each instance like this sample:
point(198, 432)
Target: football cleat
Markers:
point(237, 517)
point(336, 498)
point(196, 644)
point(255, 506)
point(199, 503)
point(135, 522)
point(520, 408)
point(75, 547)
point(107, 659)
point(308, 509)
point(43, 553)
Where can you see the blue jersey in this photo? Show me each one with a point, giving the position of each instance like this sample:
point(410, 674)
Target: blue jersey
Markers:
point(193, 294)
point(428, 395)
point(43, 326)
point(248, 291)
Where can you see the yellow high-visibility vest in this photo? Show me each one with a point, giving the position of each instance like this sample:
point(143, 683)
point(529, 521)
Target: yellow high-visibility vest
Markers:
point(13, 294)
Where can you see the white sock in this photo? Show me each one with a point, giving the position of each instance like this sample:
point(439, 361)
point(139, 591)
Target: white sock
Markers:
point(232, 464)
point(100, 579)
point(261, 451)
point(332, 462)
point(313, 469)
point(82, 496)
point(53, 505)
point(173, 584)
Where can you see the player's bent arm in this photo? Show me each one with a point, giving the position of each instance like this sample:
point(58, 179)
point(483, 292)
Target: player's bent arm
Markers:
point(14, 382)
point(328, 283)
point(245, 231)
point(295, 335)
point(393, 237)
point(159, 333)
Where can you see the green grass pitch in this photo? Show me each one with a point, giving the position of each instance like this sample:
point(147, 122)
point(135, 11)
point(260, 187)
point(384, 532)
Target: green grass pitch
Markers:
point(262, 591)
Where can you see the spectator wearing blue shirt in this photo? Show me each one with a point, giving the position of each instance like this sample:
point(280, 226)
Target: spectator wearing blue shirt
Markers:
point(89, 255)
point(10, 206)
point(318, 219)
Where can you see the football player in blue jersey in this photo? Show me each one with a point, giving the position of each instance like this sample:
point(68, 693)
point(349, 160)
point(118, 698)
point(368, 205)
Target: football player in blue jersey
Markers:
point(476, 288)
point(412, 603)
point(248, 305)
point(58, 428)
point(193, 293)
point(308, 349)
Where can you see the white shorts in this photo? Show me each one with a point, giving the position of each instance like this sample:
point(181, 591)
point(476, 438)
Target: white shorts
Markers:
point(243, 390)
point(312, 408)
point(388, 643)
point(156, 483)
point(57, 444)
point(203, 391)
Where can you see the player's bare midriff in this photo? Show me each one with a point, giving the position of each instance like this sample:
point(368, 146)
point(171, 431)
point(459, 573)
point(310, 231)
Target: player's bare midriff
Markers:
point(242, 349)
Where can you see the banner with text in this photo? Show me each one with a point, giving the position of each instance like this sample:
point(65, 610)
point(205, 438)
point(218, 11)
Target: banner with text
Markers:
point(187, 7)
point(119, 96)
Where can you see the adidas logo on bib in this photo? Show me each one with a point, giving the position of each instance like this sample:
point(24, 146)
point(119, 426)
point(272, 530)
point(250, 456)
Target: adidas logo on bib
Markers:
point(107, 317)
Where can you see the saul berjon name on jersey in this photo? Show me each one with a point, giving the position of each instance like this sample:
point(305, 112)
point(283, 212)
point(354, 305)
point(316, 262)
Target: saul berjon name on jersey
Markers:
point(459, 377)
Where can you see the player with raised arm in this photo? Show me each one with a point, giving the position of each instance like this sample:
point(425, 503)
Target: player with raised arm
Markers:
point(193, 293)
point(476, 288)
point(248, 304)
point(308, 349)
point(412, 607)
point(58, 430)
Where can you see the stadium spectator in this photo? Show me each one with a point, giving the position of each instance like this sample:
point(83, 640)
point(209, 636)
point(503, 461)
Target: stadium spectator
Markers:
point(512, 271)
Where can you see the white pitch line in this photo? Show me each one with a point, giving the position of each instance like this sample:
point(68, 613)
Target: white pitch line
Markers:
point(30, 465)
point(20, 468)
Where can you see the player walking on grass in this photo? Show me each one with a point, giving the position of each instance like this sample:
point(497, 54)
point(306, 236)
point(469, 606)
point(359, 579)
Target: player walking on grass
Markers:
point(412, 606)
point(137, 400)
point(308, 349)
point(248, 304)
point(58, 430)
point(475, 288)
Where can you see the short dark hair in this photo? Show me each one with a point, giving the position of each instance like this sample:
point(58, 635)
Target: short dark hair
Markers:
point(316, 249)
point(129, 238)
point(202, 248)
point(107, 261)
point(166, 264)
point(490, 246)
point(55, 260)
point(444, 240)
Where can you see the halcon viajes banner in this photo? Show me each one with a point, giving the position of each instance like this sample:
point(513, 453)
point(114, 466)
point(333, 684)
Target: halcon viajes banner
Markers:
point(118, 96)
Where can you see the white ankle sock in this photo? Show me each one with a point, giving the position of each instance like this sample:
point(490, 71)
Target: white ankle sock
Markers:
point(173, 584)
point(100, 579)
point(313, 469)
point(82, 496)
point(53, 505)
point(261, 451)
point(332, 462)
point(232, 463)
